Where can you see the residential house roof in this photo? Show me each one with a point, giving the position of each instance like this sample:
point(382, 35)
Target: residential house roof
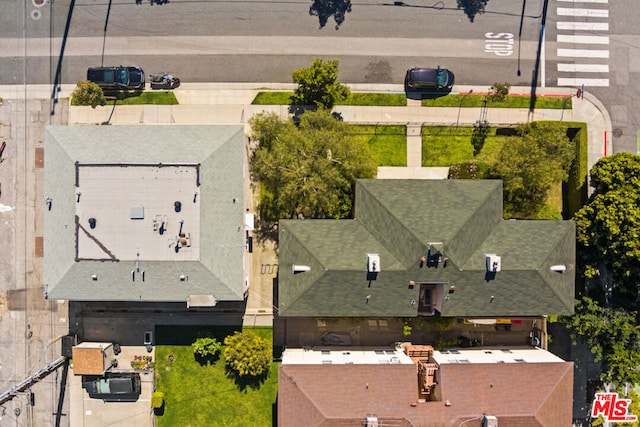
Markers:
point(400, 221)
point(530, 393)
point(144, 213)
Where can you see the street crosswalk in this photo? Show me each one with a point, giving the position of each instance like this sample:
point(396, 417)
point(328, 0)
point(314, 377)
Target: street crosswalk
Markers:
point(583, 42)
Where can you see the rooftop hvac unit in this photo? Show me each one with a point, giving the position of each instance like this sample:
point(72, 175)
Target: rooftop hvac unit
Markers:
point(373, 263)
point(372, 421)
point(489, 421)
point(493, 263)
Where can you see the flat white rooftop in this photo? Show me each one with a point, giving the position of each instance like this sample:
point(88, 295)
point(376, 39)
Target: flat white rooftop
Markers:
point(141, 212)
point(345, 356)
point(507, 355)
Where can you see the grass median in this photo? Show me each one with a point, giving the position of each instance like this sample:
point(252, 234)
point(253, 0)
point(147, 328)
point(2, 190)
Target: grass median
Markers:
point(451, 100)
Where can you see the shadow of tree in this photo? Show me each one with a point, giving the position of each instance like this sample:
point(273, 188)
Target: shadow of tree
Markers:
point(210, 359)
point(472, 7)
point(246, 381)
point(479, 136)
point(324, 9)
point(266, 230)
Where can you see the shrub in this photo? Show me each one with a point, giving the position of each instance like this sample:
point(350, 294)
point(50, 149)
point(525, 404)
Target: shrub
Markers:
point(88, 93)
point(499, 92)
point(247, 354)
point(469, 170)
point(157, 399)
point(206, 349)
point(440, 323)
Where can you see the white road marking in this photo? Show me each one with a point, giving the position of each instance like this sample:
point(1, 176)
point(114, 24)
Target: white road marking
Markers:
point(586, 82)
point(583, 26)
point(589, 13)
point(584, 1)
point(583, 68)
point(563, 38)
point(584, 53)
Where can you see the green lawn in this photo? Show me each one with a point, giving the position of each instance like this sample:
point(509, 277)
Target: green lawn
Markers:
point(449, 145)
point(400, 99)
point(202, 396)
point(388, 143)
point(516, 101)
point(137, 98)
point(381, 99)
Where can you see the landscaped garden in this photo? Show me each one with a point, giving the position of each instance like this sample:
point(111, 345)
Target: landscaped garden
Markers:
point(207, 393)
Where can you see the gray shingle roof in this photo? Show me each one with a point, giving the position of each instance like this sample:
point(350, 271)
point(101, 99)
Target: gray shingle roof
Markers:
point(219, 269)
point(398, 220)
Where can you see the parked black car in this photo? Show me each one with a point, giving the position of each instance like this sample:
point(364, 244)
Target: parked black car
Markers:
point(113, 386)
point(118, 78)
point(434, 79)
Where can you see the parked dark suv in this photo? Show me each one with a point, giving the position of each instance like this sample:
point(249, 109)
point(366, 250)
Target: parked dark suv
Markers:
point(119, 78)
point(430, 79)
point(113, 386)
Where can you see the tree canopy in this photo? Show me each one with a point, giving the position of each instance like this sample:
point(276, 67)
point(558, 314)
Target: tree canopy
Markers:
point(88, 93)
point(608, 251)
point(530, 163)
point(614, 338)
point(308, 170)
point(318, 85)
point(608, 228)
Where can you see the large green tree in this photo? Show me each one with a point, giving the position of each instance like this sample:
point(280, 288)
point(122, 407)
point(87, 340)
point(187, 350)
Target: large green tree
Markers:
point(614, 337)
point(308, 170)
point(530, 163)
point(318, 85)
point(608, 228)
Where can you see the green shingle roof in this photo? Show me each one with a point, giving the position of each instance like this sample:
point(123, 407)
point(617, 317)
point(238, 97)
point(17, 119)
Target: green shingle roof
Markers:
point(399, 220)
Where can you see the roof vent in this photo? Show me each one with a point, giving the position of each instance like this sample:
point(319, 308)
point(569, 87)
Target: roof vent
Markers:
point(297, 269)
point(489, 421)
point(493, 263)
point(559, 268)
point(372, 421)
point(373, 263)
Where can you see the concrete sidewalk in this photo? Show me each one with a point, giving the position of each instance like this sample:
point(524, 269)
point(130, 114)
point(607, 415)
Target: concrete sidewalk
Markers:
point(230, 103)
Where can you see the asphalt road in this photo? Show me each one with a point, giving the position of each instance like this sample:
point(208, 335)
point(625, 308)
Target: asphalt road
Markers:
point(262, 41)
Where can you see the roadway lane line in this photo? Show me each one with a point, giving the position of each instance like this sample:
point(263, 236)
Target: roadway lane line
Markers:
point(584, 53)
point(586, 82)
point(583, 68)
point(588, 13)
point(584, 1)
point(563, 38)
point(583, 26)
point(255, 45)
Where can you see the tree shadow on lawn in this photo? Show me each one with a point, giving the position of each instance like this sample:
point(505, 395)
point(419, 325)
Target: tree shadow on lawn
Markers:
point(246, 381)
point(207, 360)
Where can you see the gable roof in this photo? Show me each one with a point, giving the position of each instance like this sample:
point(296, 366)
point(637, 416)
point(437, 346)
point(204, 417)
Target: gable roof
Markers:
point(122, 169)
point(528, 394)
point(399, 220)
